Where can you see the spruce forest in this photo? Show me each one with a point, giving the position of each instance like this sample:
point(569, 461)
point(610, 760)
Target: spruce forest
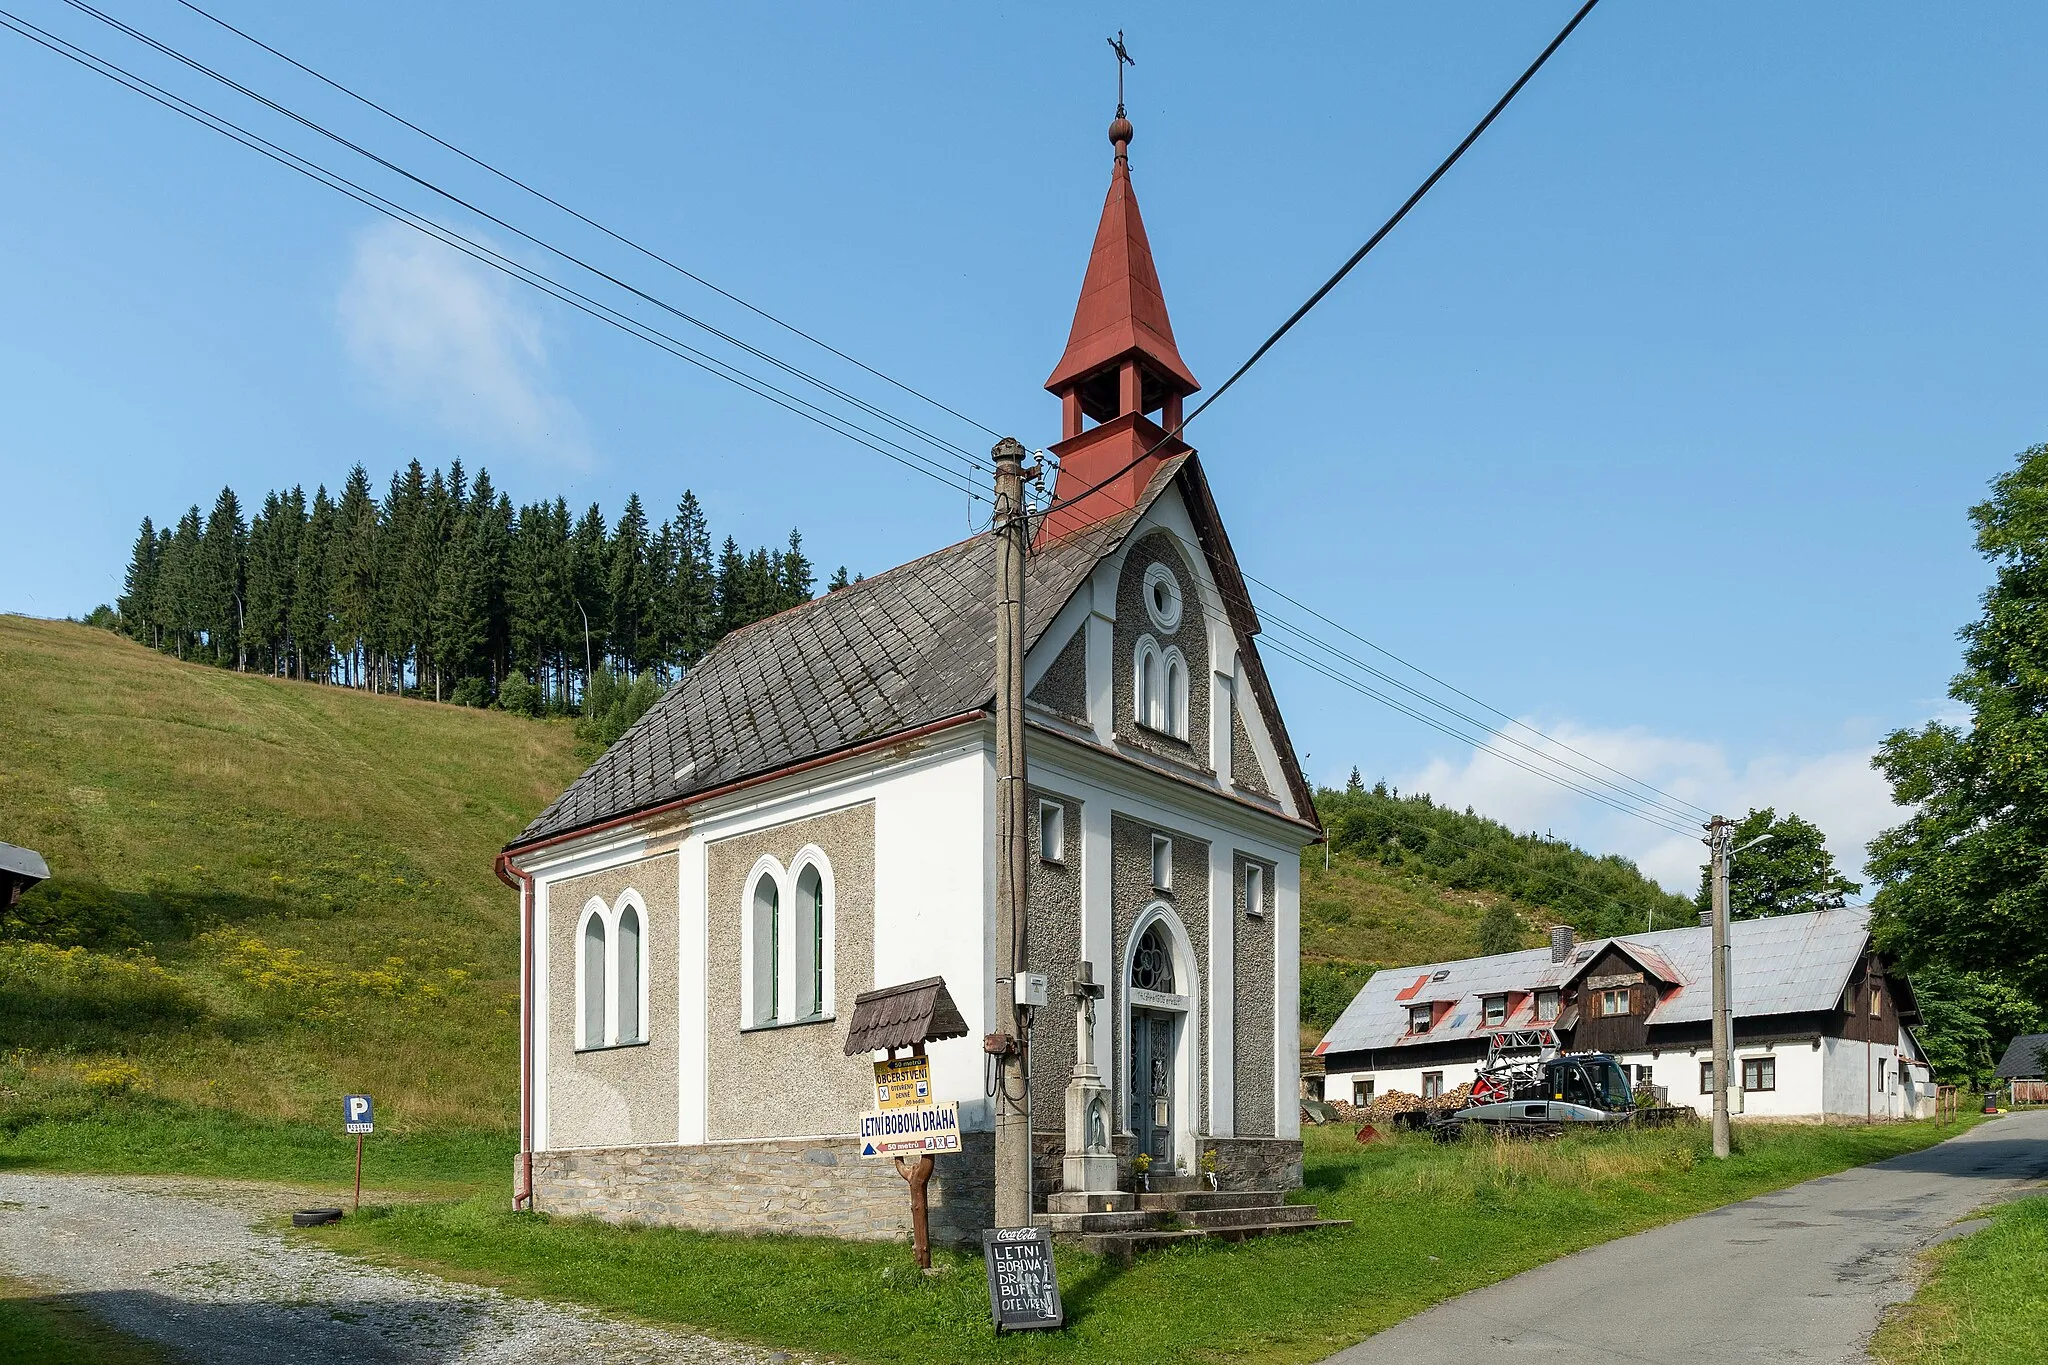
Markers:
point(441, 589)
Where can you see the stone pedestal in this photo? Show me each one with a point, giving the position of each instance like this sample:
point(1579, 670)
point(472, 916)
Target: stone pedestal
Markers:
point(1089, 1164)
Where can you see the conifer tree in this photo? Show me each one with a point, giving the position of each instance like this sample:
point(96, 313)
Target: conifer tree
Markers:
point(219, 578)
point(137, 603)
point(693, 597)
point(352, 576)
point(312, 616)
point(626, 594)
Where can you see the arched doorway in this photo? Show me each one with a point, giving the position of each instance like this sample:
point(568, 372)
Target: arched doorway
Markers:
point(1160, 991)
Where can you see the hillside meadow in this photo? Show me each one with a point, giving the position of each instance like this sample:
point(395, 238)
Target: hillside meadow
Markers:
point(264, 893)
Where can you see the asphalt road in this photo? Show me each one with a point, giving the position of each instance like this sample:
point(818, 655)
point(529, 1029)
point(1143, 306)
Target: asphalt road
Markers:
point(1802, 1275)
point(204, 1268)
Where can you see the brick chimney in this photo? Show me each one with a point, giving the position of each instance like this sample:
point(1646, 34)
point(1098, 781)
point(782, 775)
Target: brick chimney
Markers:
point(1561, 940)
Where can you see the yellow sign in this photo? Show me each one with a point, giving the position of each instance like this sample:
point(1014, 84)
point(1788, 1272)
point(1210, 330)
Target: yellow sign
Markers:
point(931, 1128)
point(903, 1084)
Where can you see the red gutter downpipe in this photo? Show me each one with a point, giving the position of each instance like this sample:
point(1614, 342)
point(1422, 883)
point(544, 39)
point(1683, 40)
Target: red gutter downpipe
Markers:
point(522, 1194)
point(521, 881)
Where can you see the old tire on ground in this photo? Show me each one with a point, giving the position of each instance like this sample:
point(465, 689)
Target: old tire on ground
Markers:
point(313, 1218)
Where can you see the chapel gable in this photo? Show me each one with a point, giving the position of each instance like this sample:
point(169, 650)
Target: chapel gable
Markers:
point(1162, 653)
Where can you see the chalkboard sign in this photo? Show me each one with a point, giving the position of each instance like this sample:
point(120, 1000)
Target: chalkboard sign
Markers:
point(1023, 1291)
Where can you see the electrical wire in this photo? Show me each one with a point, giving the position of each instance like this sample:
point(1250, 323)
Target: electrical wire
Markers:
point(820, 416)
point(1298, 314)
point(483, 253)
point(619, 237)
point(872, 410)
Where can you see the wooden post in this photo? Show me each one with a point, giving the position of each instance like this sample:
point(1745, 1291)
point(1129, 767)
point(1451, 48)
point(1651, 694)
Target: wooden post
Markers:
point(918, 1177)
point(1013, 1123)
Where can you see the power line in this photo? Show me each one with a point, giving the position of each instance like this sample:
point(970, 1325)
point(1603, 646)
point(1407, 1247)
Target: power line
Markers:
point(482, 253)
point(949, 448)
point(1298, 314)
point(774, 394)
point(619, 237)
point(1451, 687)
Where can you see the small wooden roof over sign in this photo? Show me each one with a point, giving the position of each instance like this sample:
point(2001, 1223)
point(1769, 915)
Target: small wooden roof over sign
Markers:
point(903, 1016)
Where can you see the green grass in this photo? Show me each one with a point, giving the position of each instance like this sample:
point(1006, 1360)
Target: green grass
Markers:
point(1431, 1222)
point(1985, 1299)
point(272, 893)
point(75, 1129)
point(56, 1330)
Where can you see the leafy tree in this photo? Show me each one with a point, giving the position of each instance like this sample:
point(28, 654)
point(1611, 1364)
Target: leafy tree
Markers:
point(1500, 929)
point(1964, 879)
point(1789, 873)
point(1967, 1019)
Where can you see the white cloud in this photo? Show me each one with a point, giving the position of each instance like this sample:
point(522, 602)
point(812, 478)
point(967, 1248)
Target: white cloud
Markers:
point(1837, 790)
point(444, 335)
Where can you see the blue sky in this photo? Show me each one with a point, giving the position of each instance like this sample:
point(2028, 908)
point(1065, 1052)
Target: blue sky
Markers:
point(1655, 425)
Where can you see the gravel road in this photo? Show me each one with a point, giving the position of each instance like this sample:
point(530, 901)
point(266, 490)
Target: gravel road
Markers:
point(178, 1262)
point(1802, 1275)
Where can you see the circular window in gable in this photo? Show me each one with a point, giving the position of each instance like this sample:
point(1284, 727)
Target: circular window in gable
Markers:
point(1162, 598)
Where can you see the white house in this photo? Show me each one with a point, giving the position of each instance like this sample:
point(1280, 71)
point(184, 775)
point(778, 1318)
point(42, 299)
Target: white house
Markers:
point(809, 814)
point(1822, 1025)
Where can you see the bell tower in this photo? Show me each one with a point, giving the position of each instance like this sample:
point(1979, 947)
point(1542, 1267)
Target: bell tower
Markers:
point(1121, 382)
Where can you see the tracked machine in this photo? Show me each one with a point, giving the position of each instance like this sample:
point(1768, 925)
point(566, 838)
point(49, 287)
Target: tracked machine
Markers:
point(1527, 1086)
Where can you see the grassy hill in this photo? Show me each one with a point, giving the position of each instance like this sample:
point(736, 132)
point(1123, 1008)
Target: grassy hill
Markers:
point(270, 893)
point(265, 893)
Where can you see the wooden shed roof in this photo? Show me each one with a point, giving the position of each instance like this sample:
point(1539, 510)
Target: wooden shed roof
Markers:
point(903, 1016)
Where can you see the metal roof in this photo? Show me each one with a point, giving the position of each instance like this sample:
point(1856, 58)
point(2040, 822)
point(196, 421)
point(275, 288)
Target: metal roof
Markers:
point(25, 863)
point(2026, 1058)
point(1784, 964)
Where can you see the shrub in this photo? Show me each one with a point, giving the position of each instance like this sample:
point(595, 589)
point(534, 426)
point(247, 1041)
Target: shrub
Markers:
point(1327, 987)
point(611, 705)
point(72, 914)
point(51, 996)
point(518, 695)
point(471, 692)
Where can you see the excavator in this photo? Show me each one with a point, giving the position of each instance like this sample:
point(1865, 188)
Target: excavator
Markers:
point(1527, 1086)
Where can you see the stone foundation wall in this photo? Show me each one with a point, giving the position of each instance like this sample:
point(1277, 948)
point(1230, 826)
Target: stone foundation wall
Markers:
point(819, 1186)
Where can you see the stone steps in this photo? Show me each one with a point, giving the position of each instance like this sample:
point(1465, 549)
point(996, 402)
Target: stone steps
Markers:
point(1117, 1224)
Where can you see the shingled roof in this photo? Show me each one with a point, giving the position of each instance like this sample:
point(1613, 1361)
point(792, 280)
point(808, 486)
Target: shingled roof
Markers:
point(902, 649)
point(903, 1016)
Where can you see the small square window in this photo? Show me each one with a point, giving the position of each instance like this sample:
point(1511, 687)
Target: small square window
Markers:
point(1254, 890)
point(1052, 831)
point(1432, 1085)
point(1613, 1003)
point(1496, 1010)
point(1759, 1073)
point(1706, 1078)
point(1361, 1093)
point(1419, 1018)
point(1162, 863)
point(1546, 1006)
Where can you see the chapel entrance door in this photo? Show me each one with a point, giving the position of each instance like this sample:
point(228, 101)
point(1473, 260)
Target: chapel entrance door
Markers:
point(1152, 1040)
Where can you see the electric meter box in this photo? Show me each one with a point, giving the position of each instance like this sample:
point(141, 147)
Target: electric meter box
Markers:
point(1031, 989)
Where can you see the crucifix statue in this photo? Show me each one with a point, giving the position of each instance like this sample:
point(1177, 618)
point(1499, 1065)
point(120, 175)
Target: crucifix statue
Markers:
point(1123, 59)
point(1086, 992)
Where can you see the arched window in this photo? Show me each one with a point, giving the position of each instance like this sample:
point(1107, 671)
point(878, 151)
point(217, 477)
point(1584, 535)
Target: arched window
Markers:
point(593, 978)
point(1174, 703)
point(631, 1024)
point(1152, 964)
point(767, 949)
point(1148, 685)
point(810, 944)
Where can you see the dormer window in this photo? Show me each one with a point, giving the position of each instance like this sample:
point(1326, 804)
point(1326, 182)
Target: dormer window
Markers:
point(1419, 1017)
point(1546, 1006)
point(1612, 1003)
point(1496, 1010)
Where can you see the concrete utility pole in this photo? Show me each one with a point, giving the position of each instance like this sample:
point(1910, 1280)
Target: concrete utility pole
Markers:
point(1720, 832)
point(1013, 1116)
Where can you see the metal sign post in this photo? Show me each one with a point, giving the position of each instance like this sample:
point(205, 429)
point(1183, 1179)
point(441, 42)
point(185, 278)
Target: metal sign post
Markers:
point(357, 1118)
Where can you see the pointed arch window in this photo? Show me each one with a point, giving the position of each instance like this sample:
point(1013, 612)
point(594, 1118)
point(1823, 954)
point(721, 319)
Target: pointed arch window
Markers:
point(767, 933)
point(1145, 683)
point(592, 972)
point(1152, 964)
point(1173, 716)
point(632, 1023)
point(810, 943)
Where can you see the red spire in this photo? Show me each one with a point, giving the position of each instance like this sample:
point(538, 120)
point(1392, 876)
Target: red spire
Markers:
point(1122, 311)
point(1121, 364)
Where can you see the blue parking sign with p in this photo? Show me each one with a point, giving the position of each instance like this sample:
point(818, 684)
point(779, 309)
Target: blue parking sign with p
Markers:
point(355, 1114)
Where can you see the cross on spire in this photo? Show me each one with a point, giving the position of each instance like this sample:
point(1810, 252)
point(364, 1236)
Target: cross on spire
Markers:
point(1123, 59)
